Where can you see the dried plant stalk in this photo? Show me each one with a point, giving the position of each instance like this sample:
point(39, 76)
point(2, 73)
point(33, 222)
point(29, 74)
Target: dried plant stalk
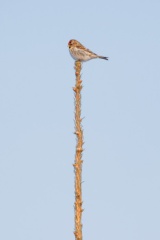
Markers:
point(78, 155)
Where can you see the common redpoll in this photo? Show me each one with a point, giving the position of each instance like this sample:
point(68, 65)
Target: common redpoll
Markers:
point(80, 53)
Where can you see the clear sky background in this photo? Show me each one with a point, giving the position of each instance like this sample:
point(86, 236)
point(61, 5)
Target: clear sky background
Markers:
point(121, 106)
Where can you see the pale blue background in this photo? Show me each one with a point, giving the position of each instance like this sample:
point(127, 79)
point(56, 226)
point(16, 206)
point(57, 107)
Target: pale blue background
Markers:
point(121, 106)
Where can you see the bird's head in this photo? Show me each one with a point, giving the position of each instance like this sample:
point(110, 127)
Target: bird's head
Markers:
point(72, 43)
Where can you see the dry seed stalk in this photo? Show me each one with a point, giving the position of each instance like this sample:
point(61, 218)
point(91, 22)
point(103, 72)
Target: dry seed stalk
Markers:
point(78, 155)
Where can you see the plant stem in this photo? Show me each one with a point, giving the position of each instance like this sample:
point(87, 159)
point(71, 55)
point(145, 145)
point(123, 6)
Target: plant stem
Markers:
point(78, 155)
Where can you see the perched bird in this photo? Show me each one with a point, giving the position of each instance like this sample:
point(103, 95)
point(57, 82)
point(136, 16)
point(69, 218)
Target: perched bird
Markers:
point(80, 53)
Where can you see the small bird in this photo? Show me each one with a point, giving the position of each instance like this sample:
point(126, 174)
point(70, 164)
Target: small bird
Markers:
point(80, 53)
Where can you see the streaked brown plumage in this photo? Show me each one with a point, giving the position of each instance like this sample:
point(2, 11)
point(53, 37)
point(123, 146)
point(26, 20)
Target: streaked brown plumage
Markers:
point(80, 53)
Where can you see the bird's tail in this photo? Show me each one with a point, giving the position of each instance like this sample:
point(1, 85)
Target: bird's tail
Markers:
point(106, 58)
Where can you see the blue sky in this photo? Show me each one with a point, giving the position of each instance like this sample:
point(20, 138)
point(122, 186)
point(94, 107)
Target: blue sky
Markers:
point(121, 110)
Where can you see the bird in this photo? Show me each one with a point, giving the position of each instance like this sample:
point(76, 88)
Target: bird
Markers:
point(80, 53)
